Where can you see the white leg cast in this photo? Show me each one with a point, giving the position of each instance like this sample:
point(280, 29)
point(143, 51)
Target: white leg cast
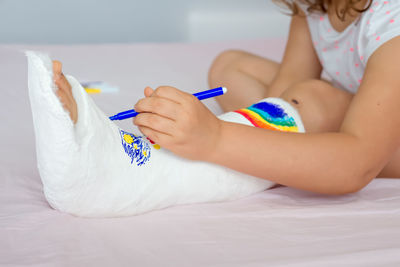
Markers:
point(95, 169)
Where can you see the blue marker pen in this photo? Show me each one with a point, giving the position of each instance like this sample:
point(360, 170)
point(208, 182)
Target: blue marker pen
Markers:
point(200, 96)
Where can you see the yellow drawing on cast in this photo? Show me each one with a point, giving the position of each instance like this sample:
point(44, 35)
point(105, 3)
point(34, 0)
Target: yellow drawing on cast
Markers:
point(128, 139)
point(156, 146)
point(145, 153)
point(135, 146)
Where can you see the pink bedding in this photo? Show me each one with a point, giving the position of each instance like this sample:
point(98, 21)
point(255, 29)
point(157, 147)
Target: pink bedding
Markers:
point(278, 227)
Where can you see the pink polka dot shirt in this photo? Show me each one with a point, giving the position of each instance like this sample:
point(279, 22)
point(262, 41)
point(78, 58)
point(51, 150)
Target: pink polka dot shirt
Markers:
point(344, 55)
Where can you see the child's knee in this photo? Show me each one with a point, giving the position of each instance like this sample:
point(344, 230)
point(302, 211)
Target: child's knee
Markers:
point(310, 99)
point(306, 91)
point(225, 61)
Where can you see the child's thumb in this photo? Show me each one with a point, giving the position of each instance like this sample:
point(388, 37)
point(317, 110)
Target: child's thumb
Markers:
point(148, 91)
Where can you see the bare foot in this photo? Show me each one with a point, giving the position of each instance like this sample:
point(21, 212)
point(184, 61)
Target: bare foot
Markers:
point(64, 91)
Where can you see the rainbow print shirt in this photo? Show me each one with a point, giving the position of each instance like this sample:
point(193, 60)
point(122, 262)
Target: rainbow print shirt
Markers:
point(269, 116)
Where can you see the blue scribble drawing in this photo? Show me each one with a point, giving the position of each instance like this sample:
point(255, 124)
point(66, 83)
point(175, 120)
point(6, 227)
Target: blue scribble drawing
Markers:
point(136, 147)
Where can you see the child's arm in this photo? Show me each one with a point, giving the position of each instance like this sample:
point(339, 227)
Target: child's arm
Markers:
point(300, 61)
point(331, 163)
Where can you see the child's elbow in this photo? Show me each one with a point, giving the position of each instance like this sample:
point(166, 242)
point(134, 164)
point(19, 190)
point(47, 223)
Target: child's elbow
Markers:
point(354, 183)
point(353, 188)
point(347, 188)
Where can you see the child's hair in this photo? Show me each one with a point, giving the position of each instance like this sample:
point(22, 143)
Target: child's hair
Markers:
point(322, 6)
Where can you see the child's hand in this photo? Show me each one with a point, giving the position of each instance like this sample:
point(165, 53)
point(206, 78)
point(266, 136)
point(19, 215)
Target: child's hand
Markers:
point(178, 121)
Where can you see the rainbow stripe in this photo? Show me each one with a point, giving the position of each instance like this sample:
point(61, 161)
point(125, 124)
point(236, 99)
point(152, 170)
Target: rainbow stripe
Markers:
point(269, 116)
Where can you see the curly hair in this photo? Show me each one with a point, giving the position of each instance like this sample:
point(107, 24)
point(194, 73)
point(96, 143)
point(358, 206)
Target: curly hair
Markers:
point(322, 6)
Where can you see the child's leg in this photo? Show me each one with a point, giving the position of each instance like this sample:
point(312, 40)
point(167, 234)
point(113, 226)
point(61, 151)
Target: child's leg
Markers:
point(93, 168)
point(321, 106)
point(247, 77)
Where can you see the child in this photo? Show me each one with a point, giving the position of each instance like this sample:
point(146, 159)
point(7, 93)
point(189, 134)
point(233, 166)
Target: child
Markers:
point(352, 124)
point(357, 44)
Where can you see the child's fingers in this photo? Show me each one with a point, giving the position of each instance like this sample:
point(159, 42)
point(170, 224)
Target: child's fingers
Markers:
point(171, 93)
point(148, 91)
point(154, 135)
point(155, 122)
point(158, 105)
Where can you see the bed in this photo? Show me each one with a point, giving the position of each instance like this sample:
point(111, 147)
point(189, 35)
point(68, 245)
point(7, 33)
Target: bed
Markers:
point(278, 227)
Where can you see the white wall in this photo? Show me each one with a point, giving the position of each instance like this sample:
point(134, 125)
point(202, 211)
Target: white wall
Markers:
point(235, 19)
point(103, 21)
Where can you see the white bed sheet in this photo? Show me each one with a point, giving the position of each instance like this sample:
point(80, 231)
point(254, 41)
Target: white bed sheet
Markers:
point(278, 227)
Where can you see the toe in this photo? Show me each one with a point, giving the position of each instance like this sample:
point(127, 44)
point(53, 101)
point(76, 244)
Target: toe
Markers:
point(57, 67)
point(59, 77)
point(63, 83)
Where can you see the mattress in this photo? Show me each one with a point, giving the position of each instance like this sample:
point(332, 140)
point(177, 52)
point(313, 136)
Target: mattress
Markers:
point(278, 227)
